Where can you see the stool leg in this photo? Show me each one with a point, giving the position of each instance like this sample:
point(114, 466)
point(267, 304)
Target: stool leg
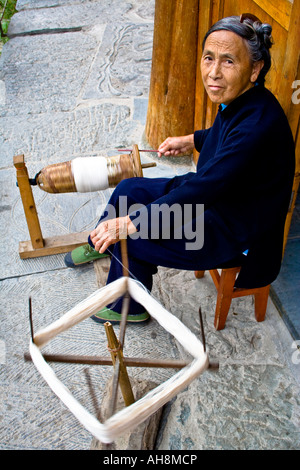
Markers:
point(199, 274)
point(225, 290)
point(261, 301)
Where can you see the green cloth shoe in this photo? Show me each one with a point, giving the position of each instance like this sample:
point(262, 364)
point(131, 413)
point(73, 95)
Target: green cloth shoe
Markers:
point(81, 255)
point(106, 314)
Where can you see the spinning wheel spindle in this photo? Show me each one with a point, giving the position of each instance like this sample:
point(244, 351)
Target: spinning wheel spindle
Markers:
point(87, 174)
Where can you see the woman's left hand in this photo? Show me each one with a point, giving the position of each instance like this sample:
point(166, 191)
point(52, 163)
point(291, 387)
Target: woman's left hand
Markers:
point(110, 232)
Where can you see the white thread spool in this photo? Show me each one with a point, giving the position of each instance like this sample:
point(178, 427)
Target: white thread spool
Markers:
point(90, 174)
point(86, 174)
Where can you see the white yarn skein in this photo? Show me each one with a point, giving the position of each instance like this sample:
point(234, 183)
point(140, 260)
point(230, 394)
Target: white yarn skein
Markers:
point(90, 174)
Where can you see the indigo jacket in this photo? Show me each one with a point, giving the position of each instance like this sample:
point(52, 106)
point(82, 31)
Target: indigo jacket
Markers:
point(244, 179)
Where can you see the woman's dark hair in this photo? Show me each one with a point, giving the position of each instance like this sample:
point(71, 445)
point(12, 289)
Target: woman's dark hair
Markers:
point(257, 35)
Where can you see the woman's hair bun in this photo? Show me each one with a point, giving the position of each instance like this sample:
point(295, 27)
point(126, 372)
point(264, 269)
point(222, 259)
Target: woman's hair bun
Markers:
point(264, 32)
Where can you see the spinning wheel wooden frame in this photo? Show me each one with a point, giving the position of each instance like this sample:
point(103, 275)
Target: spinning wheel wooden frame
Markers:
point(38, 245)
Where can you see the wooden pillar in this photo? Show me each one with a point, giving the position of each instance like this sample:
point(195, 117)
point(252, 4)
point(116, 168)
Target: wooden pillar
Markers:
point(172, 87)
point(291, 74)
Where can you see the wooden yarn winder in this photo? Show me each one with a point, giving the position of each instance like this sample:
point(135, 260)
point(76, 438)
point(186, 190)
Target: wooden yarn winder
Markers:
point(118, 168)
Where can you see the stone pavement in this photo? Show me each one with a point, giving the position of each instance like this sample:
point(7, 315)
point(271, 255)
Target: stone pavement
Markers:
point(74, 81)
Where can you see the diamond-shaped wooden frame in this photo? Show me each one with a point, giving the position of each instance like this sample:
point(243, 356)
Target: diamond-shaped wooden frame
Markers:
point(132, 415)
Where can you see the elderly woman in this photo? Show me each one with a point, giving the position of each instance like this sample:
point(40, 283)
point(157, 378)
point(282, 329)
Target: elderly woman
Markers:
point(243, 179)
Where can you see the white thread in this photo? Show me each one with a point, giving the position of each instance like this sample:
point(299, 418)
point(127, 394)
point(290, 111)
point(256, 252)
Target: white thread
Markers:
point(134, 414)
point(127, 269)
point(90, 174)
point(91, 305)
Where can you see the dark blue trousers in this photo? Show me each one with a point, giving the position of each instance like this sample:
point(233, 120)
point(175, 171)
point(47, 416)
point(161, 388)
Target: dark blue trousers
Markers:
point(144, 255)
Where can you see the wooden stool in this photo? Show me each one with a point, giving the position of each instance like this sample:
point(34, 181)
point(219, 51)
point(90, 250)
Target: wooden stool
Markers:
point(226, 292)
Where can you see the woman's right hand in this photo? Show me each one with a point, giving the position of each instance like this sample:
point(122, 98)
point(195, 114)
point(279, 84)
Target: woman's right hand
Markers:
point(174, 146)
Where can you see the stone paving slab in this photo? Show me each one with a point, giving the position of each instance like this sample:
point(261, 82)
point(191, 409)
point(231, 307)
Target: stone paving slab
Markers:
point(254, 412)
point(50, 67)
point(252, 402)
point(71, 15)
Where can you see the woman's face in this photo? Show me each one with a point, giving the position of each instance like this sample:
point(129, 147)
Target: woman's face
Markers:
point(226, 68)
